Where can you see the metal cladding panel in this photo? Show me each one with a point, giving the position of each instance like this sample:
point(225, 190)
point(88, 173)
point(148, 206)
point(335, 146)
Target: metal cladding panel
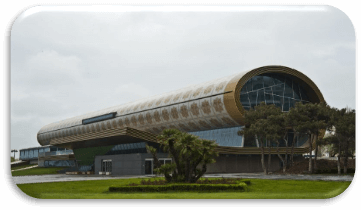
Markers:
point(174, 111)
point(206, 107)
point(194, 110)
point(165, 114)
point(141, 119)
point(210, 105)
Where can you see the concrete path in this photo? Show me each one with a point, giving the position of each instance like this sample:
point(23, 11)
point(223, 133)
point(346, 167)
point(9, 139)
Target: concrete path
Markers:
point(67, 178)
point(25, 168)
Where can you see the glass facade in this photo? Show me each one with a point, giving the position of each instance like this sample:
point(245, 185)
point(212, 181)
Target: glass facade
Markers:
point(271, 88)
point(300, 140)
point(59, 163)
point(223, 136)
point(132, 148)
point(34, 153)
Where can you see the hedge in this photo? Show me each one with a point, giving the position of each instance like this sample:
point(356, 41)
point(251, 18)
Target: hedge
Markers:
point(246, 181)
point(181, 187)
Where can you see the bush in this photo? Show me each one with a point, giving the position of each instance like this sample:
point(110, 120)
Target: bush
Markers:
point(200, 181)
point(181, 187)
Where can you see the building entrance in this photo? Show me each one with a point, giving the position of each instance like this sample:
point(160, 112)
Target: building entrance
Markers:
point(107, 166)
point(149, 164)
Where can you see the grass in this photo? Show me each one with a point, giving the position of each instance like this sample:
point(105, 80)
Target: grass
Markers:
point(12, 159)
point(36, 171)
point(23, 166)
point(259, 189)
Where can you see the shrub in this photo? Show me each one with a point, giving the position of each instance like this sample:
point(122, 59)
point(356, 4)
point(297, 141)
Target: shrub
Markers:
point(200, 181)
point(181, 188)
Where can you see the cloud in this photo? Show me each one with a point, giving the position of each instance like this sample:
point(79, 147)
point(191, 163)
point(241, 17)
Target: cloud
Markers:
point(49, 68)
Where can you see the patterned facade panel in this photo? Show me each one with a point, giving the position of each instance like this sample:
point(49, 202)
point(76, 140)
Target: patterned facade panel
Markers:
point(177, 96)
point(160, 100)
point(183, 126)
point(217, 105)
point(206, 107)
point(174, 125)
point(220, 86)
point(204, 124)
point(152, 102)
point(114, 123)
point(141, 119)
point(126, 120)
point(194, 109)
point(184, 111)
point(174, 113)
point(165, 114)
point(142, 104)
point(168, 99)
point(156, 116)
point(196, 92)
point(193, 125)
point(149, 120)
point(208, 89)
point(229, 121)
point(186, 94)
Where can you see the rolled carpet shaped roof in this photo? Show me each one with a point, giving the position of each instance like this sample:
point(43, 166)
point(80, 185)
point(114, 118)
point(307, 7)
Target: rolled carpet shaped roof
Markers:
point(210, 105)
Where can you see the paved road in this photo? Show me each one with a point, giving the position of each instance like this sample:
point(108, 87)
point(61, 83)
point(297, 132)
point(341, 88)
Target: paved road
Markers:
point(67, 178)
point(293, 176)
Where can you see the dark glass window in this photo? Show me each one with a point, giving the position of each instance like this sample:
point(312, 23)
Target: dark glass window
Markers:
point(283, 91)
point(277, 101)
point(260, 96)
point(248, 86)
point(296, 91)
point(257, 82)
point(286, 105)
point(269, 98)
point(288, 91)
point(244, 99)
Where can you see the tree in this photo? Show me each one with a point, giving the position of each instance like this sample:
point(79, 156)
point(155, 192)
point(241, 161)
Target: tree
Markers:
point(277, 132)
point(190, 155)
point(310, 119)
point(262, 122)
point(342, 136)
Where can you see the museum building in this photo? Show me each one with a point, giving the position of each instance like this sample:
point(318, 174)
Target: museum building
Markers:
point(113, 140)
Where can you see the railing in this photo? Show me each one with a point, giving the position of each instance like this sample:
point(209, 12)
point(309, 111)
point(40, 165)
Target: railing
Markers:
point(53, 153)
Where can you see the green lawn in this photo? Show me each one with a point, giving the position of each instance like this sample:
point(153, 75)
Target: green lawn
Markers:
point(259, 189)
point(36, 171)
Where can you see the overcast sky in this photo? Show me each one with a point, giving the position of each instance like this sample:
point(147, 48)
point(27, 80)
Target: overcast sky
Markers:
point(67, 61)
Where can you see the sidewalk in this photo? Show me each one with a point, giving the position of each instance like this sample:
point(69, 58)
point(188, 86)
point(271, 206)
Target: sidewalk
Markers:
point(25, 168)
point(68, 178)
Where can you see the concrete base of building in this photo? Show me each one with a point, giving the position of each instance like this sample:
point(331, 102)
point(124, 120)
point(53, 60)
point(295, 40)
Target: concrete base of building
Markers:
point(242, 164)
point(33, 161)
point(124, 164)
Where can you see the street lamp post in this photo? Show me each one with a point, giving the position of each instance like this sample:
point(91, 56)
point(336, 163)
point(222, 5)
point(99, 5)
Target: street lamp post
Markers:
point(14, 151)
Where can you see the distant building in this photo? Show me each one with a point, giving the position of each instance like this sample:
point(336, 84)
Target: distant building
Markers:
point(48, 156)
point(113, 140)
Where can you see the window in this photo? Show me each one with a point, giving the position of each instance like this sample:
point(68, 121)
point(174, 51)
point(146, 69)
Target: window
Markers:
point(282, 90)
point(99, 118)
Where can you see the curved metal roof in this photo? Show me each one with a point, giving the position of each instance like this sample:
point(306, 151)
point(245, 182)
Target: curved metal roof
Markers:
point(210, 105)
